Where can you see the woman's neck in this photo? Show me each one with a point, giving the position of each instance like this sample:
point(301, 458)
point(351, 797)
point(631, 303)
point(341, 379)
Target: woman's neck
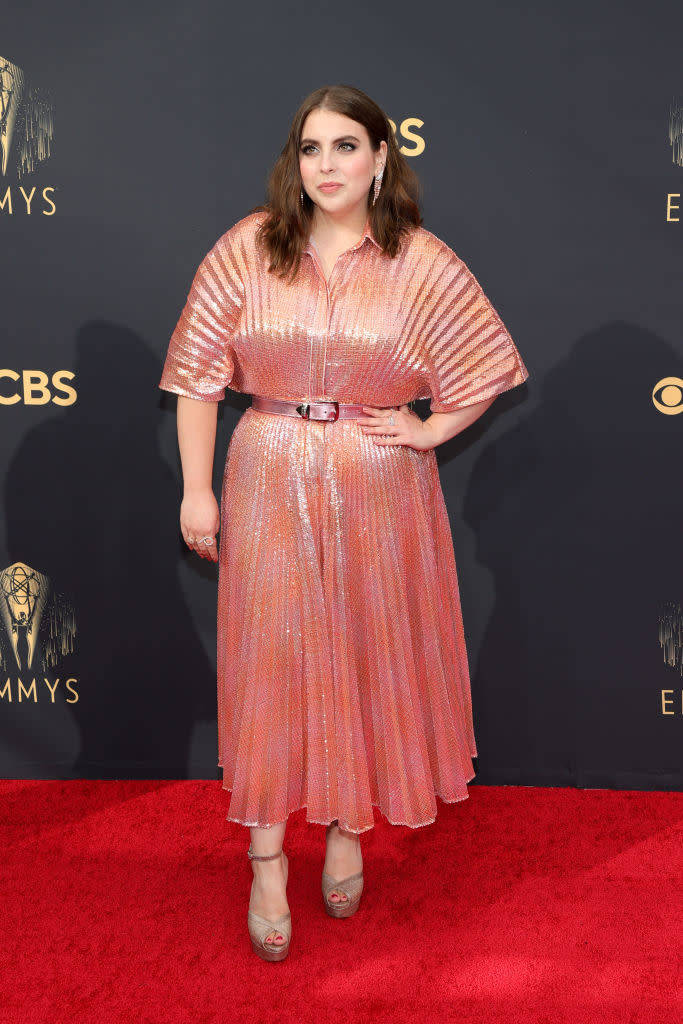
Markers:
point(337, 231)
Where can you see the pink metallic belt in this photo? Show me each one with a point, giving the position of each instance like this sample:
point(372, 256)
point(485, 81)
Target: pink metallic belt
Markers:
point(307, 410)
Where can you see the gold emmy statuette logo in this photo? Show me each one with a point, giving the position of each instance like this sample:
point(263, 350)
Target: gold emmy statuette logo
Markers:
point(671, 634)
point(26, 133)
point(30, 611)
point(667, 395)
point(11, 93)
point(25, 120)
point(676, 133)
point(676, 143)
point(671, 643)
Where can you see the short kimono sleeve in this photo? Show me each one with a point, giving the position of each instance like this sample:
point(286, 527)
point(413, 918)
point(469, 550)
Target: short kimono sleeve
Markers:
point(200, 358)
point(470, 354)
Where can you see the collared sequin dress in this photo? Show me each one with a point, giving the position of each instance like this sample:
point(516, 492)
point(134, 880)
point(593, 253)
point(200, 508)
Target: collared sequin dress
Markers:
point(343, 676)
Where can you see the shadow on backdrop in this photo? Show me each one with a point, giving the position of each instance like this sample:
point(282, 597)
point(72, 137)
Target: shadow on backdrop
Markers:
point(577, 513)
point(92, 503)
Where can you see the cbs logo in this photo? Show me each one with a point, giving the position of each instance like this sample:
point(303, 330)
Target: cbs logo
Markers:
point(34, 387)
point(404, 130)
point(667, 395)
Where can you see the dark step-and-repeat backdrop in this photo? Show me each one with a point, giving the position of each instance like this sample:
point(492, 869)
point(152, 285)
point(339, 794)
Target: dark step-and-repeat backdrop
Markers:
point(549, 142)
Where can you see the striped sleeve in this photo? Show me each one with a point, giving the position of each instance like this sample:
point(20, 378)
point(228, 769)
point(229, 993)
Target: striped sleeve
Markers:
point(200, 358)
point(470, 354)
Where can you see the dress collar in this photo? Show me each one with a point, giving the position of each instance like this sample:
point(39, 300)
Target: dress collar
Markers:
point(367, 233)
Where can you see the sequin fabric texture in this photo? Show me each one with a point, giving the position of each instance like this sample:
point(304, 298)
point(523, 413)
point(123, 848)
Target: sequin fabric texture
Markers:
point(343, 676)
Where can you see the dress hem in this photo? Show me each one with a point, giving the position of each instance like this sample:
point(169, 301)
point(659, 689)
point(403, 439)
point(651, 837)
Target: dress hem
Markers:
point(312, 821)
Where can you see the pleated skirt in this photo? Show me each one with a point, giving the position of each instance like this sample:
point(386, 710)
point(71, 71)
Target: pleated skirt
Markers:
point(343, 678)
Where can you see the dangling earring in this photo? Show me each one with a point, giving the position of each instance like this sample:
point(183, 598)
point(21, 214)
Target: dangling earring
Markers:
point(302, 197)
point(378, 182)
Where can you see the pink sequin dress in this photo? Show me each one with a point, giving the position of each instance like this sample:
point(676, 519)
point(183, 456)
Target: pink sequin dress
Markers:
point(343, 677)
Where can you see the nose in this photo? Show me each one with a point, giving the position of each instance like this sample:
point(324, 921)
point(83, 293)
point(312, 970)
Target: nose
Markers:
point(327, 160)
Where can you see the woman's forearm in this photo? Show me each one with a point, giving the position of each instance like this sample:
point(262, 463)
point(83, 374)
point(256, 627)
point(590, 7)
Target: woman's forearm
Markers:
point(197, 441)
point(445, 425)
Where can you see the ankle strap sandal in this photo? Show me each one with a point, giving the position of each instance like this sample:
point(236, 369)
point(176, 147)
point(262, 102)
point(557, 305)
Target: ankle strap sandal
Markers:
point(260, 928)
point(351, 886)
point(264, 856)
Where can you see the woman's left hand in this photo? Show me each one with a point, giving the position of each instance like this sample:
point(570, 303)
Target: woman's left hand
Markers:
point(407, 428)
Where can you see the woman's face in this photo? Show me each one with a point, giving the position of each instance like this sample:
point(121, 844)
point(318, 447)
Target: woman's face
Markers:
point(334, 148)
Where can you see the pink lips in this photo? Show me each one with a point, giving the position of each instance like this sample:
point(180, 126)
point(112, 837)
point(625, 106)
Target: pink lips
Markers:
point(329, 188)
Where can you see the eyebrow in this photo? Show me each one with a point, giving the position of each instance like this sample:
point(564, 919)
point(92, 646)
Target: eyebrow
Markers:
point(340, 139)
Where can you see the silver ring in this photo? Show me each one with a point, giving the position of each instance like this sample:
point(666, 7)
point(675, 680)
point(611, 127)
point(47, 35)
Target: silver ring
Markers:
point(207, 540)
point(391, 420)
point(190, 540)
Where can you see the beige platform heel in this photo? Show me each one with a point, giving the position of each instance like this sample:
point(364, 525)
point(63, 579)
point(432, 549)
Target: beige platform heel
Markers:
point(260, 927)
point(352, 885)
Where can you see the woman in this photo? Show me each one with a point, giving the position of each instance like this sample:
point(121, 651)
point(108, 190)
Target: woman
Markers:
point(342, 669)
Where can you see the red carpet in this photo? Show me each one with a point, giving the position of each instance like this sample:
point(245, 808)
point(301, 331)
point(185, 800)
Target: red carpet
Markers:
point(126, 902)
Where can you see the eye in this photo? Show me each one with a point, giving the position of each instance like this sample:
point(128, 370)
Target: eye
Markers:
point(667, 395)
point(309, 145)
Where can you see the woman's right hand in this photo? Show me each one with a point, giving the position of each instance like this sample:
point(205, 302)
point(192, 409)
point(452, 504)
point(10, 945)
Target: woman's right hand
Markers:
point(200, 522)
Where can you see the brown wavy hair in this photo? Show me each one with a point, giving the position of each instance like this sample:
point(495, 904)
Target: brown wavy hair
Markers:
point(285, 231)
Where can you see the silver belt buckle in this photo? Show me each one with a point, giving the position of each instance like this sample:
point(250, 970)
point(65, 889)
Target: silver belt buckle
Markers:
point(305, 407)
